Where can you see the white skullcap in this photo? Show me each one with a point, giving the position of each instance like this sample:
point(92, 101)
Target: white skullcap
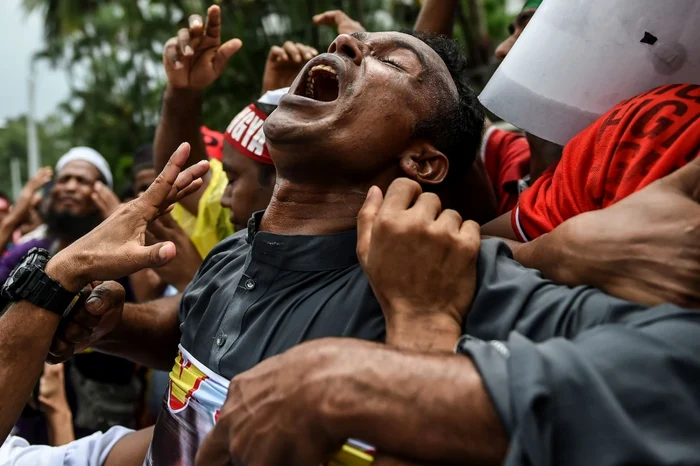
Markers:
point(273, 97)
point(89, 155)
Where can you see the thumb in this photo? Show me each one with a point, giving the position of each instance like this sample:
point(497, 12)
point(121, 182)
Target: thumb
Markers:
point(104, 297)
point(365, 221)
point(687, 179)
point(156, 256)
point(225, 52)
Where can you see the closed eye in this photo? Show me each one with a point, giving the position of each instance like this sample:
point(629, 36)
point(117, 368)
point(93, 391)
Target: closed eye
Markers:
point(391, 62)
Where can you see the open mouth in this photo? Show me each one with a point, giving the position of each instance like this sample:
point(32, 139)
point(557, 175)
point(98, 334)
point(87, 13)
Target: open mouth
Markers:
point(321, 84)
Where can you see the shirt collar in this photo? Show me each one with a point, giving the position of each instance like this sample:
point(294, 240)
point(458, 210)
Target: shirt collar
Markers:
point(302, 252)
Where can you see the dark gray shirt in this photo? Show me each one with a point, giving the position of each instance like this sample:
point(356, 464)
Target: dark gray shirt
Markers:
point(580, 378)
point(577, 377)
point(258, 294)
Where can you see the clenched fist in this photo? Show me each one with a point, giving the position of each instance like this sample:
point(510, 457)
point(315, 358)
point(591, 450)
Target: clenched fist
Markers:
point(420, 262)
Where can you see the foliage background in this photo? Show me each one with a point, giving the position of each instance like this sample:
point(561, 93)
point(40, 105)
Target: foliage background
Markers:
point(111, 52)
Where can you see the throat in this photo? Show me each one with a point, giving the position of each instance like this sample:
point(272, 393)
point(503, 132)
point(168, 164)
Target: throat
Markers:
point(311, 210)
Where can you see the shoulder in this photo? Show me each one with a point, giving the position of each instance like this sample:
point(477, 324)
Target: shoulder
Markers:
point(228, 249)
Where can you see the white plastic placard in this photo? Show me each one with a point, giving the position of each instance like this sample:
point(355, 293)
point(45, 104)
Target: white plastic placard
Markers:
point(576, 59)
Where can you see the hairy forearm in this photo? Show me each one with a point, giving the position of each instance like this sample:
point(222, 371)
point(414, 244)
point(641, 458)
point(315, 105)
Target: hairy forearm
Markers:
point(26, 332)
point(431, 408)
point(437, 17)
point(148, 334)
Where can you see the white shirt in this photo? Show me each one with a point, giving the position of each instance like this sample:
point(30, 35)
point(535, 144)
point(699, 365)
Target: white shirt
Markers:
point(88, 451)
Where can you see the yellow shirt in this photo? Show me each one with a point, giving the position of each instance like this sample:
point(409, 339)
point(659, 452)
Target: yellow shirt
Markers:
point(212, 223)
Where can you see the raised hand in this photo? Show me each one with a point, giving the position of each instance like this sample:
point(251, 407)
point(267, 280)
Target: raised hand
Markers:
point(338, 19)
point(420, 262)
point(27, 197)
point(195, 58)
point(105, 199)
point(284, 63)
point(116, 248)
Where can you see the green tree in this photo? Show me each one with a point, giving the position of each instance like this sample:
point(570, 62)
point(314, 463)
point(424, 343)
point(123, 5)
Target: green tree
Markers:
point(53, 143)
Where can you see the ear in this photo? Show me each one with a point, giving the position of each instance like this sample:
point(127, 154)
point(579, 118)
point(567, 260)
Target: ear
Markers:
point(422, 162)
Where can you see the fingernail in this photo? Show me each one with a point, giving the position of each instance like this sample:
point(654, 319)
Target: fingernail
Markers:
point(94, 302)
point(162, 253)
point(196, 23)
point(188, 50)
point(178, 65)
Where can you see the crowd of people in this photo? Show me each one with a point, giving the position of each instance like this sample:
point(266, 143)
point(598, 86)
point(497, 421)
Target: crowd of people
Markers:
point(361, 268)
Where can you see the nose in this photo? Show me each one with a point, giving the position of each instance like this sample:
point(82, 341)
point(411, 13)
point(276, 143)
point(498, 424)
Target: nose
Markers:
point(226, 198)
point(70, 185)
point(503, 49)
point(352, 48)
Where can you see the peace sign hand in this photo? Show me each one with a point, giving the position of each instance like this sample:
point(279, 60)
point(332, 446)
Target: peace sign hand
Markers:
point(116, 248)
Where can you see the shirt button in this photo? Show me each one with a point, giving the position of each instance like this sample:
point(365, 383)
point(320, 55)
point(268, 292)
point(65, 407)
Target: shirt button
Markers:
point(220, 340)
point(250, 284)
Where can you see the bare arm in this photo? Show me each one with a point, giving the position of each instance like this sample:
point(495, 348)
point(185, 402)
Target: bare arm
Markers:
point(193, 60)
point(437, 17)
point(148, 334)
point(26, 332)
point(130, 450)
point(180, 121)
point(438, 399)
point(500, 227)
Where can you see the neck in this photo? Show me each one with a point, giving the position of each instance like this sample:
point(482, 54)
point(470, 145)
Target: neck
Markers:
point(302, 209)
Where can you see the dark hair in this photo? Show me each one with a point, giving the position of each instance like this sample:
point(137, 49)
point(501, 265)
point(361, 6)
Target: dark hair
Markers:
point(456, 128)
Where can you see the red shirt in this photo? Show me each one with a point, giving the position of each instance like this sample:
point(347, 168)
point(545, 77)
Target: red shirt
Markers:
point(637, 142)
point(506, 156)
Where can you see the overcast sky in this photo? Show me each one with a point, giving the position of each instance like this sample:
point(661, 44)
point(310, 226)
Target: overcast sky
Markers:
point(21, 36)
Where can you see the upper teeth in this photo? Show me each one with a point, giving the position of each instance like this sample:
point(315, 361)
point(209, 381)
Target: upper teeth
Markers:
point(322, 68)
point(310, 81)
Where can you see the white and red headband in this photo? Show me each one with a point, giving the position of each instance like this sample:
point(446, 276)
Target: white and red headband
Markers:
point(245, 134)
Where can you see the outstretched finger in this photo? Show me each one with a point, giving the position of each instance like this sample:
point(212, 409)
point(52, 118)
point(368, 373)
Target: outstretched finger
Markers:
point(225, 52)
point(151, 257)
point(196, 24)
point(365, 221)
point(183, 42)
point(328, 18)
point(187, 182)
point(155, 196)
point(171, 54)
point(213, 27)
